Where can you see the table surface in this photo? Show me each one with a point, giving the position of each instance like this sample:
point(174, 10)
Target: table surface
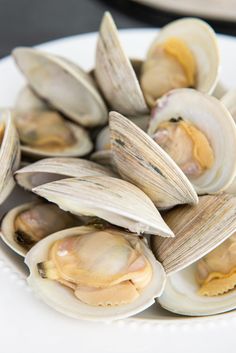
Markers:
point(30, 22)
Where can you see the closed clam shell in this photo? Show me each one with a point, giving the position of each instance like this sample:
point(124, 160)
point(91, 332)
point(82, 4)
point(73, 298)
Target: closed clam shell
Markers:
point(63, 84)
point(202, 41)
point(142, 162)
point(199, 230)
point(114, 73)
point(211, 117)
point(114, 200)
point(51, 169)
point(62, 299)
point(9, 154)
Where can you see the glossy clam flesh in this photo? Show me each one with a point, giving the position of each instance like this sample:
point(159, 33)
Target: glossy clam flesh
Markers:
point(187, 145)
point(216, 272)
point(46, 130)
point(83, 263)
point(172, 64)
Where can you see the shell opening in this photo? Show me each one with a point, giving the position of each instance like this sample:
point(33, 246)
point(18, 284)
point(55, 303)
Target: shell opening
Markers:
point(102, 267)
point(187, 146)
point(46, 130)
point(40, 221)
point(216, 272)
point(2, 129)
point(170, 65)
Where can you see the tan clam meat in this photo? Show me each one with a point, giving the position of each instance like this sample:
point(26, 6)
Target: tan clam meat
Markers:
point(216, 272)
point(40, 221)
point(2, 128)
point(169, 65)
point(46, 130)
point(187, 146)
point(102, 267)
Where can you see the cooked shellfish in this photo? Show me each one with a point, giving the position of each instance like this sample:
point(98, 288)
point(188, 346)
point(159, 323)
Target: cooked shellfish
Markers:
point(192, 127)
point(95, 274)
point(184, 54)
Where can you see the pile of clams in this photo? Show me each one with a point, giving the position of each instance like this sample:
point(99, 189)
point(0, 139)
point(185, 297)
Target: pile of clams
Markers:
point(133, 170)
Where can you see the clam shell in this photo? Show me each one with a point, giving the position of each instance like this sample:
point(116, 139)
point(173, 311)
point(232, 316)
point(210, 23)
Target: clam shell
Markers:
point(27, 100)
point(8, 231)
point(9, 155)
point(107, 198)
point(63, 84)
point(202, 41)
point(114, 73)
point(51, 169)
point(211, 117)
point(142, 162)
point(61, 298)
point(198, 230)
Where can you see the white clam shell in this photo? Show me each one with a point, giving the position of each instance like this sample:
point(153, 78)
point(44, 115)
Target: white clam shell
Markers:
point(142, 162)
point(9, 155)
point(198, 231)
point(114, 72)
point(63, 300)
point(211, 117)
point(27, 100)
point(114, 200)
point(55, 79)
point(51, 169)
point(202, 41)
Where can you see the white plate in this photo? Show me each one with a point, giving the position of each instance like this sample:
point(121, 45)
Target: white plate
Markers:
point(218, 10)
point(33, 323)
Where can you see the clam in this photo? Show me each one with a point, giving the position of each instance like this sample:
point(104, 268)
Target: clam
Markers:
point(63, 84)
point(108, 198)
point(103, 153)
point(95, 274)
point(114, 72)
point(142, 162)
point(25, 225)
point(184, 54)
point(27, 100)
point(200, 261)
point(51, 169)
point(193, 129)
point(9, 154)
point(48, 134)
point(229, 100)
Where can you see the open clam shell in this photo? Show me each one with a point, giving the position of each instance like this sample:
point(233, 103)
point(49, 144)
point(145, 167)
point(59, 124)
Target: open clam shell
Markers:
point(9, 153)
point(39, 222)
point(61, 298)
point(142, 162)
point(51, 169)
point(114, 73)
point(63, 84)
point(209, 115)
point(202, 42)
point(199, 230)
point(107, 198)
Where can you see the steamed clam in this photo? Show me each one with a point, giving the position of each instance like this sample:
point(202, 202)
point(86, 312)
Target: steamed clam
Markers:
point(184, 54)
point(142, 162)
point(200, 261)
point(9, 153)
point(27, 224)
point(95, 274)
point(114, 72)
point(51, 169)
point(192, 128)
point(65, 85)
point(108, 198)
point(27, 100)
